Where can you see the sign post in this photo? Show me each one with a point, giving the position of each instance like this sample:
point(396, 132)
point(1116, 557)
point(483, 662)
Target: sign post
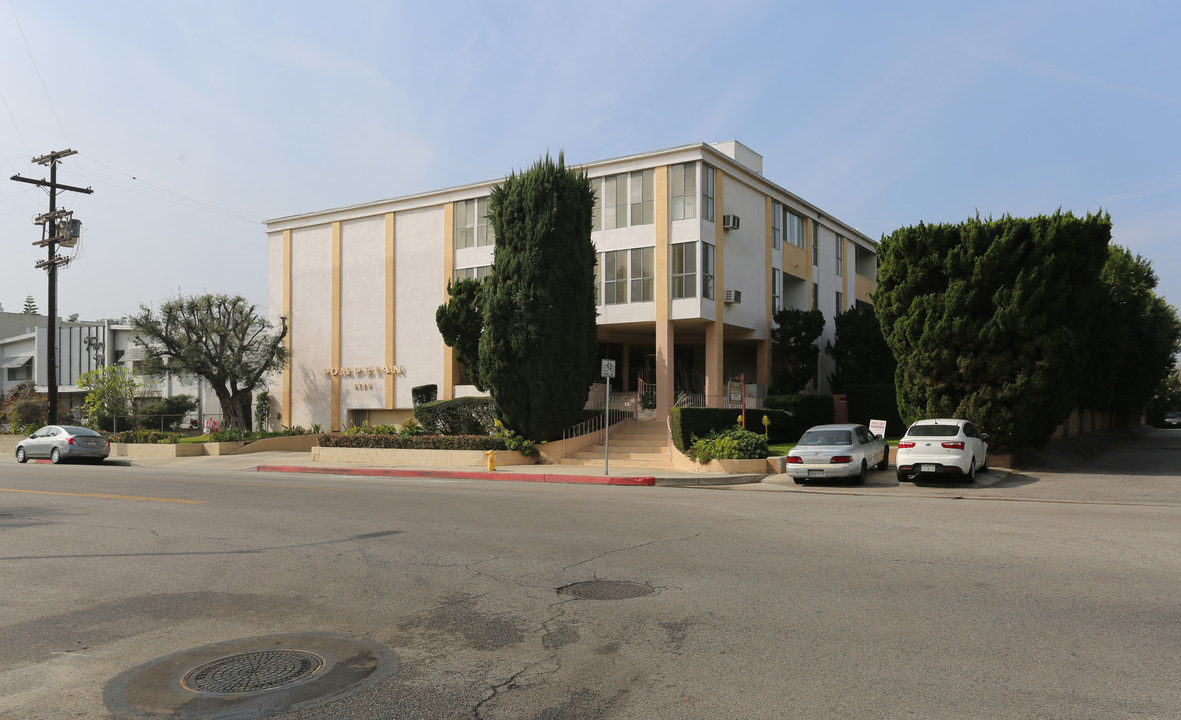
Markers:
point(608, 372)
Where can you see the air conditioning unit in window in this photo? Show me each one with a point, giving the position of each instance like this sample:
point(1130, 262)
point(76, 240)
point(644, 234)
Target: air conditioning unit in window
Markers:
point(729, 222)
point(733, 296)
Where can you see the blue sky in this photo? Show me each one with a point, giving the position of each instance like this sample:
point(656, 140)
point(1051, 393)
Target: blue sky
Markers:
point(195, 121)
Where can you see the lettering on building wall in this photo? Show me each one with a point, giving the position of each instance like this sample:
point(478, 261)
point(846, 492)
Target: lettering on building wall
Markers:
point(368, 371)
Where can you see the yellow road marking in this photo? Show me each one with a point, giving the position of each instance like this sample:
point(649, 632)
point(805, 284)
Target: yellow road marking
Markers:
point(106, 497)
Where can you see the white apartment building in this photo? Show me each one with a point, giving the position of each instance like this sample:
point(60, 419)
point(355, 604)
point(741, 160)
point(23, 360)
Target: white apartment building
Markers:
point(696, 251)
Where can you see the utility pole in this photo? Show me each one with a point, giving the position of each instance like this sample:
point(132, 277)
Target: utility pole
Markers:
point(63, 233)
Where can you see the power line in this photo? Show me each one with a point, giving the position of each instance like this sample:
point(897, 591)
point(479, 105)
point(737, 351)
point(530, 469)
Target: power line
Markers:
point(38, 71)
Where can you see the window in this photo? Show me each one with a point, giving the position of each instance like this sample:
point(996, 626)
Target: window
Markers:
point(471, 224)
point(684, 270)
point(776, 291)
point(815, 244)
point(840, 302)
point(611, 204)
point(473, 273)
point(615, 277)
point(598, 281)
point(643, 277)
point(815, 296)
point(776, 224)
point(707, 192)
point(684, 190)
point(707, 271)
point(643, 197)
point(794, 227)
point(840, 257)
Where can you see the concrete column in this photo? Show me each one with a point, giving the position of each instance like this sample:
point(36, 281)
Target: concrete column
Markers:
point(664, 367)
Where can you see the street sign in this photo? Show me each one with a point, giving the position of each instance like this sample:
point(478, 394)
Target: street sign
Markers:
point(877, 427)
point(608, 368)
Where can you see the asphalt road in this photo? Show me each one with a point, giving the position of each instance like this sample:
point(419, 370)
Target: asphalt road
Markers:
point(1023, 596)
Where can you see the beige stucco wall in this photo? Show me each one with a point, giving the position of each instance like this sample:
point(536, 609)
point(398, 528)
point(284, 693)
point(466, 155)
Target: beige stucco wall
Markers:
point(418, 458)
point(311, 336)
point(419, 289)
point(362, 314)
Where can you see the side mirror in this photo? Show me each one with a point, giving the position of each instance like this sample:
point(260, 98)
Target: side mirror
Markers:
point(983, 436)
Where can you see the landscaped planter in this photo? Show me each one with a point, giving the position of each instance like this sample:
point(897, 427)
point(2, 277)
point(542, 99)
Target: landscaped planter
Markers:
point(220, 448)
point(156, 450)
point(420, 458)
point(8, 443)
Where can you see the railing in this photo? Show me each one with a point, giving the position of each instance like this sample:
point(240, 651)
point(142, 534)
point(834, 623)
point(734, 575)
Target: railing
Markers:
point(590, 432)
point(701, 400)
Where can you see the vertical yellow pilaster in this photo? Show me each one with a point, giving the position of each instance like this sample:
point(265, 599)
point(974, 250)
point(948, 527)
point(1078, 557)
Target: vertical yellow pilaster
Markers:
point(449, 365)
point(715, 332)
point(285, 391)
point(763, 349)
point(390, 314)
point(334, 423)
point(663, 296)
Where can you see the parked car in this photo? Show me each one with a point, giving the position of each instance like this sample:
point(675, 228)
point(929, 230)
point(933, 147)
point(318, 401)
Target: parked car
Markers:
point(837, 451)
point(1173, 419)
point(64, 442)
point(942, 447)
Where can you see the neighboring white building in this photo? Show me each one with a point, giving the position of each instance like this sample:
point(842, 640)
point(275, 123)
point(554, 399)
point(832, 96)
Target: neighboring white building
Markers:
point(83, 346)
point(696, 251)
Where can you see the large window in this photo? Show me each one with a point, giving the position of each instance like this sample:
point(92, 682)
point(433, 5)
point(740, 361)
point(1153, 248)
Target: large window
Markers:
point(815, 296)
point(815, 244)
point(840, 257)
point(707, 192)
point(643, 275)
point(684, 191)
point(776, 224)
point(840, 302)
point(643, 197)
point(473, 273)
point(615, 277)
point(794, 227)
point(776, 290)
point(707, 271)
point(471, 224)
point(684, 257)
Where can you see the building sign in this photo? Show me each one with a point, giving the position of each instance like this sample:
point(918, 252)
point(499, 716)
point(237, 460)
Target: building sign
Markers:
point(369, 371)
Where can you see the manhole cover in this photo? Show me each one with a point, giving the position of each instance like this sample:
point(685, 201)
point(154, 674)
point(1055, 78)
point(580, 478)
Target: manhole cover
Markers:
point(607, 590)
point(250, 678)
point(252, 672)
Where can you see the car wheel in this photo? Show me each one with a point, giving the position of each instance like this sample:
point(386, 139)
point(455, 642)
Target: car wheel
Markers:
point(799, 481)
point(972, 471)
point(55, 456)
point(885, 463)
point(861, 476)
point(984, 467)
point(20, 455)
point(903, 477)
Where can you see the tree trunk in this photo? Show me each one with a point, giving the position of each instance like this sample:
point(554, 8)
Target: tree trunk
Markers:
point(231, 408)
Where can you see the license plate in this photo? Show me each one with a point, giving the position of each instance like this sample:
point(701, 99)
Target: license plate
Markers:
point(926, 468)
point(815, 473)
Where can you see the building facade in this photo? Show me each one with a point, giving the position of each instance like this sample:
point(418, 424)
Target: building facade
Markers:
point(82, 346)
point(696, 251)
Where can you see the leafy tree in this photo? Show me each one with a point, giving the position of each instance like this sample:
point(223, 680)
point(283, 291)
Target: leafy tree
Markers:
point(461, 322)
point(1139, 335)
point(166, 413)
point(23, 409)
point(794, 352)
point(220, 338)
point(861, 354)
point(989, 319)
point(1167, 397)
point(539, 343)
point(110, 393)
point(30, 305)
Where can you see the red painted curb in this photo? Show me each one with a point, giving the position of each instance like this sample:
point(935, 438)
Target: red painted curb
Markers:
point(460, 474)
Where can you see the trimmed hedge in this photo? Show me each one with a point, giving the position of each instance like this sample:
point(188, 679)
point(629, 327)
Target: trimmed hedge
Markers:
point(875, 402)
point(461, 416)
point(687, 422)
point(152, 437)
point(806, 411)
point(414, 442)
point(424, 394)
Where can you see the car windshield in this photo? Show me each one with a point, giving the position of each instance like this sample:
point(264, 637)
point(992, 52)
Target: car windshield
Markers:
point(933, 431)
point(81, 432)
point(827, 437)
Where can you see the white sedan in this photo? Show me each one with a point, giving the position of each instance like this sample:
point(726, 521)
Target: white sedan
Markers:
point(942, 447)
point(837, 451)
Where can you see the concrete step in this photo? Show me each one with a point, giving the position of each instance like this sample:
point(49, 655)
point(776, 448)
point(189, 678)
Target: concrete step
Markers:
point(644, 456)
point(618, 464)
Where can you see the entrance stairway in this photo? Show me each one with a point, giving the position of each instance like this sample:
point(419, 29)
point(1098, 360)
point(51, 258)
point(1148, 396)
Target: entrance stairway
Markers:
point(641, 444)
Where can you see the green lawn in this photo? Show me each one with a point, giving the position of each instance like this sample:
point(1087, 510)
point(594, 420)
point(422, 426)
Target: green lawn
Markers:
point(783, 448)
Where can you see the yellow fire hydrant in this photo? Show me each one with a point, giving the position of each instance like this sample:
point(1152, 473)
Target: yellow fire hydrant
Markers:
point(491, 455)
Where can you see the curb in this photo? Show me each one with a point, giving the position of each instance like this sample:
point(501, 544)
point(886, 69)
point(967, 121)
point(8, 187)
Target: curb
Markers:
point(464, 475)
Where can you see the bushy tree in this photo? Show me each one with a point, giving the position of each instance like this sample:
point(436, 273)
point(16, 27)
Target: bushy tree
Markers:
point(538, 347)
point(165, 413)
point(110, 394)
point(1167, 397)
point(794, 351)
point(30, 305)
point(221, 338)
point(461, 322)
point(860, 352)
point(23, 409)
point(990, 319)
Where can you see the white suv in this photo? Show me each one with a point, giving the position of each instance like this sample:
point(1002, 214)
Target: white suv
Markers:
point(942, 447)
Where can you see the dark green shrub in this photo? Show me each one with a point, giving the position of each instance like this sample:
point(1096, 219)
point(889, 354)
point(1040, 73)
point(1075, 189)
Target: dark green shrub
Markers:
point(424, 394)
point(142, 436)
point(875, 402)
point(165, 413)
point(688, 422)
point(731, 444)
point(461, 416)
point(806, 411)
point(415, 442)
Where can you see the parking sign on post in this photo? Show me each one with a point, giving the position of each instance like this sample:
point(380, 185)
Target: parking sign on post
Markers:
point(608, 372)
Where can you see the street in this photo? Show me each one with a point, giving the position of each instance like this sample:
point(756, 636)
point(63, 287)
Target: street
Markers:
point(1031, 595)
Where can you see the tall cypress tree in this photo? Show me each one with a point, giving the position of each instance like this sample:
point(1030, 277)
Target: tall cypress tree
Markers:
point(990, 319)
point(540, 339)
